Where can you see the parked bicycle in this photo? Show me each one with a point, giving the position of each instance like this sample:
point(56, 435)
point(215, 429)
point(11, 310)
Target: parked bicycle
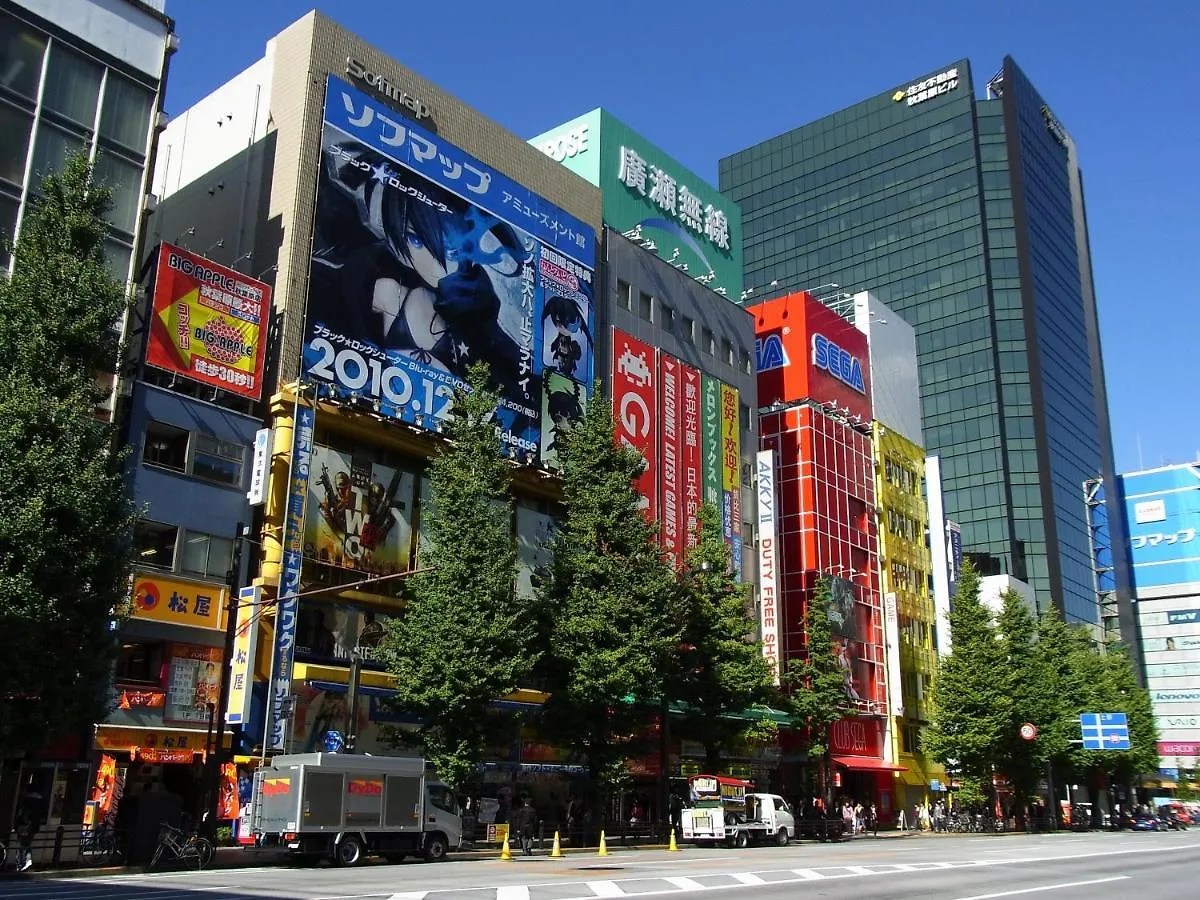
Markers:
point(182, 846)
point(98, 845)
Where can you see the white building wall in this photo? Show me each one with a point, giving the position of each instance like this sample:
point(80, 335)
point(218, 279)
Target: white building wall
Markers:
point(117, 27)
point(991, 587)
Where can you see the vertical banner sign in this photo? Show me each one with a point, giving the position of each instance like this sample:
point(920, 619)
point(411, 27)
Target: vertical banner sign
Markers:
point(730, 465)
point(690, 433)
point(735, 536)
point(954, 555)
point(671, 509)
point(710, 419)
point(768, 582)
point(241, 664)
point(260, 468)
point(635, 405)
point(287, 608)
point(891, 635)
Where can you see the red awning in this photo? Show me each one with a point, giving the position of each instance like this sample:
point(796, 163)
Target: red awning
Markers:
point(867, 764)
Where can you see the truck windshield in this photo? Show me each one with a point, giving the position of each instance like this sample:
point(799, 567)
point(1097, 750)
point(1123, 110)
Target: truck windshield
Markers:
point(441, 797)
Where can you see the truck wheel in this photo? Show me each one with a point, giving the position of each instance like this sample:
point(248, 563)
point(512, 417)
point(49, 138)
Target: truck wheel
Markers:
point(782, 838)
point(436, 847)
point(349, 851)
point(741, 840)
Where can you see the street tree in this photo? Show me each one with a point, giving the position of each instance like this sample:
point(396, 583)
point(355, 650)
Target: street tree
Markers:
point(465, 639)
point(65, 517)
point(614, 626)
point(970, 707)
point(816, 686)
point(722, 672)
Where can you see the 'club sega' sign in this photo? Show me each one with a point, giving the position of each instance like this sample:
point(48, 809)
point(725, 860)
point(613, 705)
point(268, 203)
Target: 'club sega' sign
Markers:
point(837, 362)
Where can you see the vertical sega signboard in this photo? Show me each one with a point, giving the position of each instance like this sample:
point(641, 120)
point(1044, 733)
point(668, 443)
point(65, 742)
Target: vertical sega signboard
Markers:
point(635, 408)
point(426, 261)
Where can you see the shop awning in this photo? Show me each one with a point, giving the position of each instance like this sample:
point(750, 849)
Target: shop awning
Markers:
point(126, 738)
point(867, 764)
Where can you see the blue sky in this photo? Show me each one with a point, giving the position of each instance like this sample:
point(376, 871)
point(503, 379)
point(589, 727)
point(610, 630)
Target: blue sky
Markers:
point(703, 78)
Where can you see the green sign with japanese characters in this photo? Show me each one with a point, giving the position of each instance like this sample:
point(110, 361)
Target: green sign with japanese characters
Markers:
point(652, 199)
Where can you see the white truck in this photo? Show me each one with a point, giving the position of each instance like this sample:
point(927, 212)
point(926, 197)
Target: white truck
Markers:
point(345, 807)
point(722, 811)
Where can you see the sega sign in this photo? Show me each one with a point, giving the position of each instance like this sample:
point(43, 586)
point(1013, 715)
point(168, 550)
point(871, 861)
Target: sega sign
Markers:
point(769, 353)
point(837, 362)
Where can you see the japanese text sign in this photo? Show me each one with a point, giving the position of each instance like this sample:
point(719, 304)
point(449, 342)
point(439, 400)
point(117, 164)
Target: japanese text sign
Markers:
point(178, 602)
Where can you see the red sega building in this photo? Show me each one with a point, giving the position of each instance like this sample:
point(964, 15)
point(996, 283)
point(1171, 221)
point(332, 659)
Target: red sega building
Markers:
point(814, 393)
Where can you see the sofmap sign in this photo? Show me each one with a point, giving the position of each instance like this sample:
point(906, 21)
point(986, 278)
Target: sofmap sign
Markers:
point(828, 356)
point(1162, 507)
point(380, 83)
point(767, 561)
point(425, 261)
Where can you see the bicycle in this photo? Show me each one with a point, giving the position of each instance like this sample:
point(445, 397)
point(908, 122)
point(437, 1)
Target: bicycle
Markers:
point(99, 844)
point(183, 847)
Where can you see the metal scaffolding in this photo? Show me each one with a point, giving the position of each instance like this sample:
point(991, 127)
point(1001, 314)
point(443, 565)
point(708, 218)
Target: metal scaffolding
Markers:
point(1100, 545)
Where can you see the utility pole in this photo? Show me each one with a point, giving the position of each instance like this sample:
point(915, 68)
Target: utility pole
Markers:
point(213, 759)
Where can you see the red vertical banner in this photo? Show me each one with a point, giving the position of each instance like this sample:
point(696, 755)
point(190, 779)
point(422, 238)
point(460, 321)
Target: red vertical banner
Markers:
point(635, 409)
point(691, 480)
point(671, 511)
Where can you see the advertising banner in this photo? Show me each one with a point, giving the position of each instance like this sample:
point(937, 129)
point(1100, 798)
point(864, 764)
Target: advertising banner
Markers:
point(260, 467)
point(710, 443)
point(635, 407)
point(535, 550)
point(843, 624)
point(288, 606)
point(194, 683)
point(359, 515)
point(329, 633)
point(426, 261)
point(142, 700)
point(563, 404)
point(227, 800)
point(891, 636)
point(768, 581)
point(672, 449)
point(954, 554)
point(178, 602)
point(241, 664)
point(735, 537)
point(208, 323)
point(691, 482)
point(1162, 507)
point(731, 455)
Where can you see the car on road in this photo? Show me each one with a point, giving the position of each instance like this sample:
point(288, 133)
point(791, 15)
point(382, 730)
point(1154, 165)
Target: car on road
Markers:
point(1147, 822)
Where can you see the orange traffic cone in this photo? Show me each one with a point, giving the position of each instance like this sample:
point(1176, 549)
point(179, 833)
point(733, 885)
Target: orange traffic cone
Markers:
point(603, 845)
point(673, 847)
point(556, 852)
point(505, 853)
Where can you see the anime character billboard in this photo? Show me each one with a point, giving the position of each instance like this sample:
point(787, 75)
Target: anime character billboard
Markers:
point(359, 514)
point(425, 261)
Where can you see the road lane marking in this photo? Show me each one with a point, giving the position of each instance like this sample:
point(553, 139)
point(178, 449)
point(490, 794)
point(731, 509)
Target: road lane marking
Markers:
point(683, 883)
point(748, 878)
point(605, 888)
point(861, 870)
point(1045, 887)
point(507, 892)
point(808, 874)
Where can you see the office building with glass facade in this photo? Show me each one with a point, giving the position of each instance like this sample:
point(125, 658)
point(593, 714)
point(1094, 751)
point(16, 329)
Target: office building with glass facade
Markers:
point(965, 215)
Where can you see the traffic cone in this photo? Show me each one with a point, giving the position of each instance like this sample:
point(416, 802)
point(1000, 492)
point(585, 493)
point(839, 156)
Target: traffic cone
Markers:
point(673, 847)
point(603, 845)
point(556, 852)
point(505, 853)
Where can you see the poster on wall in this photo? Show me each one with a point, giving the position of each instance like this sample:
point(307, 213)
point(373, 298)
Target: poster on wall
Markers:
point(359, 514)
point(426, 261)
point(329, 633)
point(207, 322)
point(193, 683)
point(563, 404)
point(847, 641)
point(635, 408)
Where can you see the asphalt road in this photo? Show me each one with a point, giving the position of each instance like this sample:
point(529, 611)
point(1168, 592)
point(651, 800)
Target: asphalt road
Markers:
point(1068, 866)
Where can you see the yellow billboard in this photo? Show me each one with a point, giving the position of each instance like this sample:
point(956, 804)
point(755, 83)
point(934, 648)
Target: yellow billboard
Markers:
point(164, 599)
point(731, 451)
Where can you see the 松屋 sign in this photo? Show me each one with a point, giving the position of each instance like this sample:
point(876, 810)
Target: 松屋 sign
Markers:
point(934, 86)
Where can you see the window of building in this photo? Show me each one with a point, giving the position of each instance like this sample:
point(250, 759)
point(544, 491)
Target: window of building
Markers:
point(745, 363)
point(154, 544)
point(218, 460)
point(15, 126)
point(206, 555)
point(727, 352)
point(139, 662)
point(8, 225)
point(689, 329)
point(708, 343)
point(625, 295)
point(666, 316)
point(72, 86)
point(745, 417)
point(117, 255)
point(22, 56)
point(166, 446)
point(646, 306)
point(51, 148)
point(125, 113)
point(124, 179)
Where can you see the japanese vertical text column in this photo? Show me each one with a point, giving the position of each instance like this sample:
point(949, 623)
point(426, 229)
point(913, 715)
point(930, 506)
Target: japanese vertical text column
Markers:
point(288, 605)
point(690, 425)
point(671, 511)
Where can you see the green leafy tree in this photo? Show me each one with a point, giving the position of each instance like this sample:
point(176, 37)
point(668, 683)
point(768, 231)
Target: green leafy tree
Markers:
point(816, 697)
point(1126, 696)
point(722, 671)
point(971, 710)
point(65, 518)
point(465, 639)
point(1027, 680)
point(614, 627)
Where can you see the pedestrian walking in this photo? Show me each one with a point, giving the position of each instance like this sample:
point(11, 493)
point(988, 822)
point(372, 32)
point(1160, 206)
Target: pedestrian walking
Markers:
point(524, 821)
point(26, 824)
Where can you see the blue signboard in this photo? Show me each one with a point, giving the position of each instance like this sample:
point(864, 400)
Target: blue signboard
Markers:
point(1162, 511)
point(426, 261)
point(1104, 731)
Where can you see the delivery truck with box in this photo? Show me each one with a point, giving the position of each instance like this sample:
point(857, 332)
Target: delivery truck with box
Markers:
point(345, 807)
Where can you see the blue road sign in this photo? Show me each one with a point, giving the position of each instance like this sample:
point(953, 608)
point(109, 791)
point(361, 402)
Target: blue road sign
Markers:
point(1104, 731)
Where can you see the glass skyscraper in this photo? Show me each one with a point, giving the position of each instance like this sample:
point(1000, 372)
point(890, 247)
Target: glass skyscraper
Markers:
point(965, 215)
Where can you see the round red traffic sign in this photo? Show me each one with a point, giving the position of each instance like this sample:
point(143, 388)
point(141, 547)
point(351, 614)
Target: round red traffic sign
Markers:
point(1028, 731)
